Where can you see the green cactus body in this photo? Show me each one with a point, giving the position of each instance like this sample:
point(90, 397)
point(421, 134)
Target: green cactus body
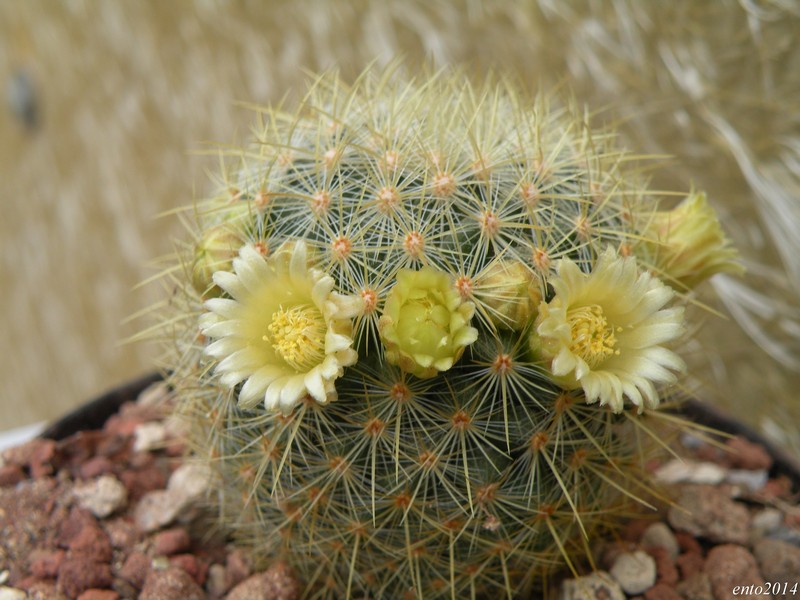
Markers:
point(476, 478)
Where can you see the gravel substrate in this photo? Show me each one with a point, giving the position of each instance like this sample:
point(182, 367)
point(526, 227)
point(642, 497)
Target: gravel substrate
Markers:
point(109, 514)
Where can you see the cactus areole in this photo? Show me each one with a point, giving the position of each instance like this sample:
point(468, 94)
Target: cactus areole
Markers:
point(422, 333)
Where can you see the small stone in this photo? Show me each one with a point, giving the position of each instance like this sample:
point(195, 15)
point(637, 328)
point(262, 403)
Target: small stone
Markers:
point(690, 564)
point(686, 471)
point(597, 586)
point(140, 481)
point(708, 512)
point(662, 591)
point(696, 587)
point(91, 543)
point(170, 584)
point(171, 541)
point(135, 569)
point(750, 480)
point(45, 563)
point(9, 593)
point(11, 475)
point(102, 496)
point(155, 510)
point(94, 594)
point(72, 525)
point(190, 482)
point(790, 535)
point(764, 522)
point(94, 467)
point(149, 436)
point(216, 584)
point(276, 583)
point(659, 535)
point(729, 566)
point(198, 569)
point(634, 571)
point(238, 567)
point(667, 572)
point(747, 455)
point(122, 532)
point(778, 560)
point(79, 574)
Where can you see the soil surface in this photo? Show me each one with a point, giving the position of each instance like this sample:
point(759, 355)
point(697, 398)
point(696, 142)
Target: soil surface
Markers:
point(112, 514)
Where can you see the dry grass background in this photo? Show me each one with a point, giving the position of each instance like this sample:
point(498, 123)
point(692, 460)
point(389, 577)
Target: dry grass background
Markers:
point(131, 93)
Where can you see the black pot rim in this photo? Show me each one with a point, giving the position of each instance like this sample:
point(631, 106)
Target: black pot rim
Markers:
point(94, 414)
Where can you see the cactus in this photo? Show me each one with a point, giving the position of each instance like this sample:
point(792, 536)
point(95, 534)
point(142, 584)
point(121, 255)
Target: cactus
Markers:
point(432, 366)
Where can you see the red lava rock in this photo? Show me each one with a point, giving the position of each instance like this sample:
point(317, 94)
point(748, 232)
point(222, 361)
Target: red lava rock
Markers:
point(94, 467)
point(143, 481)
point(728, 566)
point(688, 543)
point(79, 574)
point(171, 584)
point(779, 561)
point(747, 455)
point(140, 460)
point(72, 525)
point(91, 542)
point(778, 487)
point(662, 591)
point(119, 426)
point(24, 454)
point(135, 569)
point(99, 595)
point(194, 566)
point(633, 531)
point(171, 541)
point(696, 587)
point(690, 563)
point(11, 475)
point(237, 567)
point(45, 563)
point(666, 571)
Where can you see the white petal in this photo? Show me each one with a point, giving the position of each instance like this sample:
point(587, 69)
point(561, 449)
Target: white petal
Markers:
point(293, 390)
point(336, 341)
point(224, 307)
point(298, 264)
point(255, 387)
point(230, 283)
point(316, 386)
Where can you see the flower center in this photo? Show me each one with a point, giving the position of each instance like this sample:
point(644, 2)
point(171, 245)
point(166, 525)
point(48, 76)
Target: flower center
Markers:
point(592, 337)
point(298, 336)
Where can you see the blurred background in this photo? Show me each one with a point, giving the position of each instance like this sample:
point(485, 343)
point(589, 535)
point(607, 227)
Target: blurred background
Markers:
point(113, 113)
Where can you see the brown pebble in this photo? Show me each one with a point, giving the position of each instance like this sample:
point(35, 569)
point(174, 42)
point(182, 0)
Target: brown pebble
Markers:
point(779, 562)
point(170, 584)
point(94, 594)
point(121, 532)
point(45, 590)
point(747, 455)
point(135, 569)
point(696, 587)
point(666, 571)
point(78, 574)
point(140, 482)
point(94, 467)
point(119, 426)
point(729, 566)
point(194, 566)
point(72, 525)
point(709, 512)
point(688, 543)
point(689, 564)
point(171, 541)
point(238, 567)
point(45, 563)
point(91, 542)
point(11, 475)
point(662, 591)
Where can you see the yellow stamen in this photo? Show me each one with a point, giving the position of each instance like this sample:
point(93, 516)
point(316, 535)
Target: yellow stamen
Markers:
point(592, 337)
point(298, 336)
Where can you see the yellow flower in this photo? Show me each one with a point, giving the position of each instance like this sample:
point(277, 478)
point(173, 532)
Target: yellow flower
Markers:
point(687, 244)
point(214, 252)
point(425, 323)
point(605, 332)
point(283, 331)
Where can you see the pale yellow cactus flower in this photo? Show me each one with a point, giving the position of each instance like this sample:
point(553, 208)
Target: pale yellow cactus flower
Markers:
point(284, 331)
point(605, 332)
point(425, 322)
point(687, 245)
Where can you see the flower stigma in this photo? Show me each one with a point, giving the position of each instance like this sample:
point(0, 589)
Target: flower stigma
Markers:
point(298, 336)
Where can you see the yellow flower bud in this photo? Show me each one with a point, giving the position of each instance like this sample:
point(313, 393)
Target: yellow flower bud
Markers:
point(508, 290)
point(425, 323)
point(214, 252)
point(686, 245)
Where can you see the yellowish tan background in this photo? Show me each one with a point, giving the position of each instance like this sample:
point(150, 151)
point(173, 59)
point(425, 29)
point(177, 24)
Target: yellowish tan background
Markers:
point(132, 96)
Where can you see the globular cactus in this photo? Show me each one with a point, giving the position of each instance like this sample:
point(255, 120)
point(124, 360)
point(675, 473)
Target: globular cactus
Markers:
point(420, 335)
